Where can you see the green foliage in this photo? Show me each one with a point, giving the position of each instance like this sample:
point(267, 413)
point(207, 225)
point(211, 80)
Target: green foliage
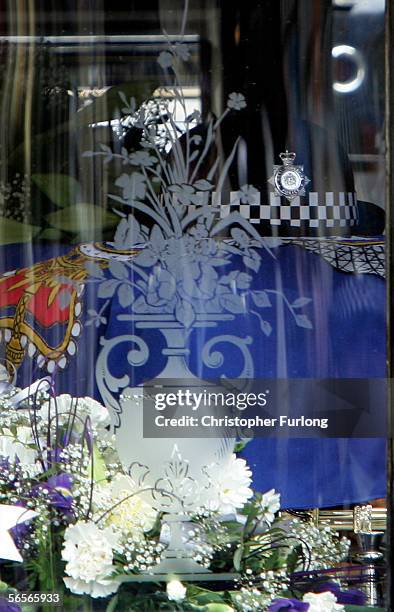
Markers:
point(85, 220)
point(13, 231)
point(61, 189)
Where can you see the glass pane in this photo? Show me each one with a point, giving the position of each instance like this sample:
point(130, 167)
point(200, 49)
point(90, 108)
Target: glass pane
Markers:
point(192, 303)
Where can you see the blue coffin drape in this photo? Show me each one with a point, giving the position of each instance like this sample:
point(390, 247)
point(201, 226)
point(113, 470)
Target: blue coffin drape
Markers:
point(347, 311)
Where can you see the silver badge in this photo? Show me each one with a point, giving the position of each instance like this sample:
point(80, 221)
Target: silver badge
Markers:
point(289, 180)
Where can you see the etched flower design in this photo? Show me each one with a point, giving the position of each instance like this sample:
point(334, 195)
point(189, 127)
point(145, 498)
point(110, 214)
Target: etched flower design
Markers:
point(119, 283)
point(199, 231)
point(133, 185)
point(128, 233)
point(96, 318)
point(165, 59)
point(161, 287)
point(236, 101)
point(130, 105)
point(142, 158)
point(192, 194)
point(250, 258)
point(182, 51)
point(248, 194)
point(237, 280)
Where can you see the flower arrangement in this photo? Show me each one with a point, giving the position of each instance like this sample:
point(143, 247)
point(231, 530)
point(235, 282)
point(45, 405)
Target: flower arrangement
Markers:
point(94, 530)
point(170, 206)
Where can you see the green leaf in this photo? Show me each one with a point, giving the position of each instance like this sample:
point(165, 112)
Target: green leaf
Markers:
point(237, 559)
point(206, 598)
point(294, 558)
point(112, 604)
point(240, 445)
point(13, 231)
point(85, 218)
point(99, 468)
point(61, 189)
point(362, 609)
point(217, 607)
point(51, 233)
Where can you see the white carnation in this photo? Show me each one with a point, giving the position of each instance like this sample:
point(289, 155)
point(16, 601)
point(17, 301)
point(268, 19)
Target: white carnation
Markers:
point(322, 602)
point(126, 511)
point(88, 552)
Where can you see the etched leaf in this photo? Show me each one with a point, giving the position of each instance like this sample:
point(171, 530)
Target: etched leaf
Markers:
point(203, 185)
point(167, 285)
point(266, 327)
point(233, 303)
point(157, 238)
point(303, 321)
point(146, 259)
point(261, 299)
point(94, 269)
point(184, 313)
point(118, 270)
point(125, 295)
point(301, 301)
point(252, 263)
point(107, 288)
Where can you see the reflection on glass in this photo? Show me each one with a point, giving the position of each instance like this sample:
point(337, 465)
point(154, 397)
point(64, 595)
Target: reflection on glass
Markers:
point(196, 191)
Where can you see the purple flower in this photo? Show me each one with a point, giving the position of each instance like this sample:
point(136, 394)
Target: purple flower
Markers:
point(7, 606)
point(288, 605)
point(59, 488)
point(59, 491)
point(350, 597)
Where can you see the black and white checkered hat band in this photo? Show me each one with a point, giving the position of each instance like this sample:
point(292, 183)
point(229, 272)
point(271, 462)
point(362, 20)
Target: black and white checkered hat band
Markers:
point(316, 210)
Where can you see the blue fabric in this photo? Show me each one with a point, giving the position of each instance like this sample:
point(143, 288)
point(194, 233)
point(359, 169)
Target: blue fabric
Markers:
point(347, 340)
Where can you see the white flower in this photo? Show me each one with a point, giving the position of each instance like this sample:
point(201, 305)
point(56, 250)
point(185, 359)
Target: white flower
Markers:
point(322, 546)
point(229, 486)
point(84, 407)
point(88, 551)
point(236, 101)
point(176, 591)
point(127, 512)
point(270, 505)
point(322, 602)
point(17, 447)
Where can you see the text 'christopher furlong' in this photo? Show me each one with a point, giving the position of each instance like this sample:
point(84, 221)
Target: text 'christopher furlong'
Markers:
point(210, 420)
